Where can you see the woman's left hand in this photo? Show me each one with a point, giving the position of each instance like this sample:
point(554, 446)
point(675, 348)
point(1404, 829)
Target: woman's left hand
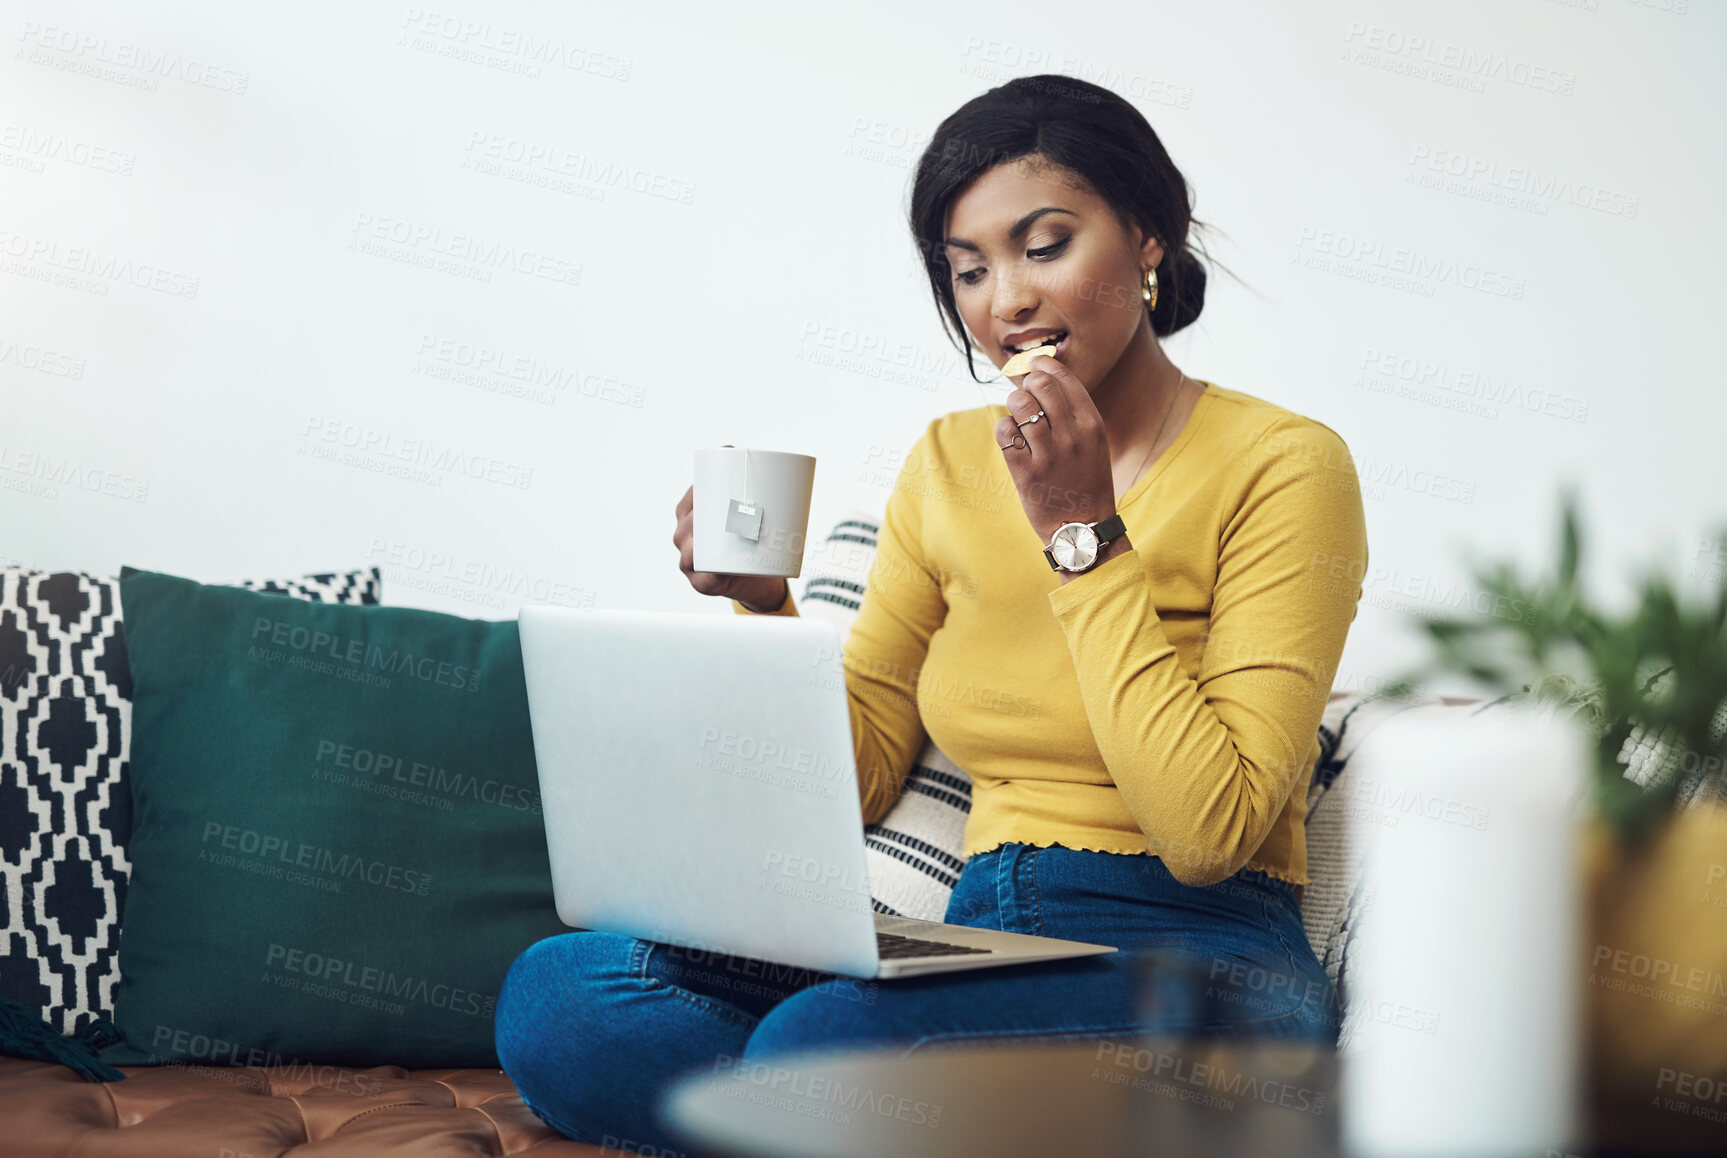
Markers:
point(1063, 472)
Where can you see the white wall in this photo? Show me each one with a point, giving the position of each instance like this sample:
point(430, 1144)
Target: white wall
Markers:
point(201, 174)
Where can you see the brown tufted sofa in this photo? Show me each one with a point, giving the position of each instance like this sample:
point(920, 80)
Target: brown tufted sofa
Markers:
point(219, 1112)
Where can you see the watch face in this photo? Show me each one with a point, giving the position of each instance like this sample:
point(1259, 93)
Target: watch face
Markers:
point(1074, 546)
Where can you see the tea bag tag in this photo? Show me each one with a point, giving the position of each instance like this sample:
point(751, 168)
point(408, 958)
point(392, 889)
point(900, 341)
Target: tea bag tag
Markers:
point(744, 519)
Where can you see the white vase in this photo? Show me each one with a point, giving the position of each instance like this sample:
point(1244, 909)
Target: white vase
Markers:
point(1462, 1009)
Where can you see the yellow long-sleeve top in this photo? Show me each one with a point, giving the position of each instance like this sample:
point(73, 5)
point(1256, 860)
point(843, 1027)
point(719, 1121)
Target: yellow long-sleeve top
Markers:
point(1168, 700)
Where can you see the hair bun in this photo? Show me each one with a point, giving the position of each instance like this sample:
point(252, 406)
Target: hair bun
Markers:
point(1180, 292)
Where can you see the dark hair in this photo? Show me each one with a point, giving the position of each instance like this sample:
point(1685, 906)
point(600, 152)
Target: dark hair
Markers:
point(1087, 130)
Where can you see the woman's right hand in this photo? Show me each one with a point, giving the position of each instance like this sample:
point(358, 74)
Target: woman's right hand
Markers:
point(761, 593)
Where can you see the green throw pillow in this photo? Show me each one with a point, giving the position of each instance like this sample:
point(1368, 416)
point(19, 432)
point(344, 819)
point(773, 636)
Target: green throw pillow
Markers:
point(337, 848)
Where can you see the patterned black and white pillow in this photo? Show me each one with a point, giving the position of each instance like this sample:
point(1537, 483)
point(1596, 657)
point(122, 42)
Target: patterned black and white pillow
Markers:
point(1338, 897)
point(913, 854)
point(65, 807)
point(1654, 760)
point(1329, 901)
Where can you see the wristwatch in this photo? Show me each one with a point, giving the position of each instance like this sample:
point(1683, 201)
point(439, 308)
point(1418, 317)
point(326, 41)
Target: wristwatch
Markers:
point(1077, 546)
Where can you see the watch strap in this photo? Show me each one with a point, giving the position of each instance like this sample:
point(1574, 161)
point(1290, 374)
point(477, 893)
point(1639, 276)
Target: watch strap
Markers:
point(1110, 528)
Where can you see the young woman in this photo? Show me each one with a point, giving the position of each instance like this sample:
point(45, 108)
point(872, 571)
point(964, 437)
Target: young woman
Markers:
point(1140, 726)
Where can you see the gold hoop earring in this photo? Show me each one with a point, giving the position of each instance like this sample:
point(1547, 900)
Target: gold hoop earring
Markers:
point(1149, 293)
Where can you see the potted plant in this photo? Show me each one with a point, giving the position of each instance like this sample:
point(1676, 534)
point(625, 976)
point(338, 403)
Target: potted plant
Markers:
point(1650, 684)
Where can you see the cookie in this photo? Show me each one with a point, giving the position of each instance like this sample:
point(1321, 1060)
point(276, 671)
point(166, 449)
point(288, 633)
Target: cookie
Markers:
point(1020, 364)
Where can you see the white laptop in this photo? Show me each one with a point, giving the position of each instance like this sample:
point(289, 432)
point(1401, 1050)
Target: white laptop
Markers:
point(699, 788)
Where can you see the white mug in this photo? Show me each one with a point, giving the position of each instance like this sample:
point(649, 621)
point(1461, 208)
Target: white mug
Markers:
point(751, 510)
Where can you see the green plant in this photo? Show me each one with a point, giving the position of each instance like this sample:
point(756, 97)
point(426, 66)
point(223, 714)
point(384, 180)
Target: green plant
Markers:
point(1659, 668)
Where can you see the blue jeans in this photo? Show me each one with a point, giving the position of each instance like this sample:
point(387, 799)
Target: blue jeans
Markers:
point(592, 1027)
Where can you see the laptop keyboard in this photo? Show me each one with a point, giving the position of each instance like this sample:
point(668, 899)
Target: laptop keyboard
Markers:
point(893, 945)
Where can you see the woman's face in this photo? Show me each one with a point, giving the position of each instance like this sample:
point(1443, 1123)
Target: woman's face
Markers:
point(1033, 251)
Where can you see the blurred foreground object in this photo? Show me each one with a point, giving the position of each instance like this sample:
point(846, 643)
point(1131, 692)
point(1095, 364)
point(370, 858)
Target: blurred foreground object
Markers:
point(1650, 686)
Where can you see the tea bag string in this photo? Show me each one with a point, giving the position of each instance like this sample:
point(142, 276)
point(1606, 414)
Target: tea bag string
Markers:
point(748, 494)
